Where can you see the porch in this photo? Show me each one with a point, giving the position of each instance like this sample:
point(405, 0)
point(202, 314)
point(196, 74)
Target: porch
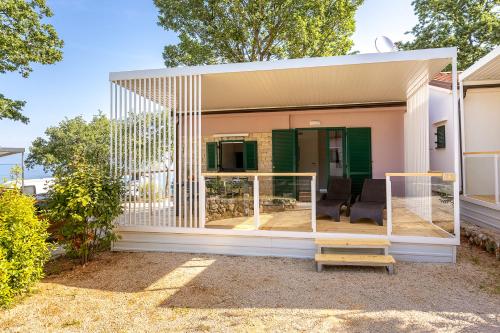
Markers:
point(227, 171)
point(479, 98)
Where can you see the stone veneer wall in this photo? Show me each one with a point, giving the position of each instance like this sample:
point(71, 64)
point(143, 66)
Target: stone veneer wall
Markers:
point(264, 155)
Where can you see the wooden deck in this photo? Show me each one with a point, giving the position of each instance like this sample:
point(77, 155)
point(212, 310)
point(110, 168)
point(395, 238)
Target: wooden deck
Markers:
point(484, 197)
point(405, 223)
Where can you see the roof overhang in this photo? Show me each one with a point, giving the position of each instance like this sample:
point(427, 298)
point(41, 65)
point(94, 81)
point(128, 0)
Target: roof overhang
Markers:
point(486, 71)
point(342, 80)
point(4, 151)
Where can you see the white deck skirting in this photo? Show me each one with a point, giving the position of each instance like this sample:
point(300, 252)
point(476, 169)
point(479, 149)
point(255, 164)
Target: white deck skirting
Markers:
point(275, 245)
point(481, 213)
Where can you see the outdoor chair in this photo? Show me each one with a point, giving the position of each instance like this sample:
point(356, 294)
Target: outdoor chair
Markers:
point(338, 195)
point(371, 203)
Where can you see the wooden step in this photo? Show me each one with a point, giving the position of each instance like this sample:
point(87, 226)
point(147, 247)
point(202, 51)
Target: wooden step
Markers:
point(358, 243)
point(354, 260)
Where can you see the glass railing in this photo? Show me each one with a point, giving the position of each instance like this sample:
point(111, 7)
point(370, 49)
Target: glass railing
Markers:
point(481, 176)
point(421, 205)
point(259, 201)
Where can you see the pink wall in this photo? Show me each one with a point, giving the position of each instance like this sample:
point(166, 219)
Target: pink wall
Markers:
point(387, 126)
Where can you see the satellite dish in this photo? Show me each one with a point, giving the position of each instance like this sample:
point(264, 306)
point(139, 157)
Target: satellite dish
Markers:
point(384, 44)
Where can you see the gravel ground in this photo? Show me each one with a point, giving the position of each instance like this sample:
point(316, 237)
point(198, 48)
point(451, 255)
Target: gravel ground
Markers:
point(150, 292)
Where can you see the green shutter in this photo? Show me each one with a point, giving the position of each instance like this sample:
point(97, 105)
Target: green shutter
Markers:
point(359, 156)
point(441, 137)
point(250, 161)
point(284, 160)
point(211, 156)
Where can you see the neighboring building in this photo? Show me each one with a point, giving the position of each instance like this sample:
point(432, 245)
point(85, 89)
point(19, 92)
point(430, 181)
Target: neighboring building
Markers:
point(240, 153)
point(441, 123)
point(480, 98)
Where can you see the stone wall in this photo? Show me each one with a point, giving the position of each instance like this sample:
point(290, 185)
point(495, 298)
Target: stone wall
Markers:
point(264, 149)
point(486, 239)
point(264, 156)
point(224, 208)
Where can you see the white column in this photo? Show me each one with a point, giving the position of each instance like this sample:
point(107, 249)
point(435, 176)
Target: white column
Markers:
point(256, 203)
point(497, 198)
point(388, 191)
point(456, 142)
point(202, 201)
point(313, 203)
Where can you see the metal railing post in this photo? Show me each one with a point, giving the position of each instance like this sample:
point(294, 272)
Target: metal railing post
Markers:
point(202, 202)
point(497, 198)
point(313, 203)
point(256, 202)
point(389, 204)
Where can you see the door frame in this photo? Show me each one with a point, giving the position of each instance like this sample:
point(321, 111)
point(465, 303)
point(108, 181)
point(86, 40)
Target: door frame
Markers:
point(344, 146)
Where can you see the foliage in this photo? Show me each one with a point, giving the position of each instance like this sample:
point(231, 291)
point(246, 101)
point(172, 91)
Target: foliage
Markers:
point(72, 139)
point(89, 142)
point(23, 247)
point(24, 39)
point(471, 25)
point(222, 31)
point(149, 190)
point(16, 173)
point(85, 202)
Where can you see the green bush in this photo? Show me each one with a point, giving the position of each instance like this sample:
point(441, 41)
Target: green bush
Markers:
point(85, 203)
point(23, 246)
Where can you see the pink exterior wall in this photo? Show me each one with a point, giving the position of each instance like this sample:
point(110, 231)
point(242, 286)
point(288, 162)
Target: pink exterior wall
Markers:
point(387, 126)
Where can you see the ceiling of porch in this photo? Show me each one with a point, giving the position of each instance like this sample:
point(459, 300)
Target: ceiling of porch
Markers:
point(328, 85)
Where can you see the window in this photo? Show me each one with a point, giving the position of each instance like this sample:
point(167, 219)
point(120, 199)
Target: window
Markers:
point(440, 137)
point(232, 156)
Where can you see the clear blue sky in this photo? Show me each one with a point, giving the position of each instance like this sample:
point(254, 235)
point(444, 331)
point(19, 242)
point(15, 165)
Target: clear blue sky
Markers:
point(113, 35)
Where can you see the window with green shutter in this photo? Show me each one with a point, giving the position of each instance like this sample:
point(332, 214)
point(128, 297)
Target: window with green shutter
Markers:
point(440, 137)
point(250, 161)
point(212, 156)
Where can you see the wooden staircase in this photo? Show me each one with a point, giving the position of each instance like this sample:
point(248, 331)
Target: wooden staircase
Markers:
point(354, 257)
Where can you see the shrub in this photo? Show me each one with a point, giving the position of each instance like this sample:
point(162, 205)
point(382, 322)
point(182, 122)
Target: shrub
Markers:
point(85, 203)
point(23, 246)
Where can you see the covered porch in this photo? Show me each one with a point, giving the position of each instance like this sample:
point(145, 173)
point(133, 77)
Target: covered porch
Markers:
point(247, 150)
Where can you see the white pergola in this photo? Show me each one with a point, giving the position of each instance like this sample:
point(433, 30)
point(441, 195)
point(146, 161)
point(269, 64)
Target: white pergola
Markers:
point(179, 96)
point(6, 151)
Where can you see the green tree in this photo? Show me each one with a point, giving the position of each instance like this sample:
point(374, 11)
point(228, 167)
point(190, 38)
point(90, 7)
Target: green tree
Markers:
point(73, 139)
point(24, 40)
point(222, 31)
point(471, 25)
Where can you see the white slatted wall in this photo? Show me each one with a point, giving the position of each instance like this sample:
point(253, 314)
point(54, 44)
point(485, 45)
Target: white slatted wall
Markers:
point(155, 146)
point(416, 145)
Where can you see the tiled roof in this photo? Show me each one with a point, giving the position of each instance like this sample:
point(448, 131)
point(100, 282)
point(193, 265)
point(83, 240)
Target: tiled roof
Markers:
point(442, 80)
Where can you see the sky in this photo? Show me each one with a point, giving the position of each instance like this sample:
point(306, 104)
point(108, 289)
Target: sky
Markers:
point(102, 36)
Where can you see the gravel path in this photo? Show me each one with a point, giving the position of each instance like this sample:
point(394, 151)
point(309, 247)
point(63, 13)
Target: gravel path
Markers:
point(150, 292)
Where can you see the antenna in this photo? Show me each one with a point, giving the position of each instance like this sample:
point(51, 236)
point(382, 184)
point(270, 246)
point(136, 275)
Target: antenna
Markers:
point(385, 44)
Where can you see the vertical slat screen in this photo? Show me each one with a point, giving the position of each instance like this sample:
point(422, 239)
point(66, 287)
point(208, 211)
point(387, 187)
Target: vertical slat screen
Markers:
point(155, 137)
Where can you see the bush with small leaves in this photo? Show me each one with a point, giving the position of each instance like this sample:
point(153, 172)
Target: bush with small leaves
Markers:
point(23, 246)
point(85, 203)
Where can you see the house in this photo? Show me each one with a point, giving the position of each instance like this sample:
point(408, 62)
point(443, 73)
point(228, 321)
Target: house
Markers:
point(232, 158)
point(480, 116)
point(441, 122)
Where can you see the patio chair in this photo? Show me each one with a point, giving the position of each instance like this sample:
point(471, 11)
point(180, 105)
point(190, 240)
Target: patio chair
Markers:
point(371, 203)
point(338, 195)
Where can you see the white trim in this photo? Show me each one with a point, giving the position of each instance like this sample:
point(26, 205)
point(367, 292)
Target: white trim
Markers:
point(457, 157)
point(480, 83)
point(287, 234)
point(479, 202)
point(229, 135)
point(479, 64)
point(367, 58)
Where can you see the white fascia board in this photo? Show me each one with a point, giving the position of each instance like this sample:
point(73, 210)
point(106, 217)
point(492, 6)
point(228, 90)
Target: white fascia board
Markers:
point(480, 63)
point(367, 58)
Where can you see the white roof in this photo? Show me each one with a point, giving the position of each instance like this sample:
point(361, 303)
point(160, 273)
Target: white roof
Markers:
point(5, 151)
point(341, 80)
point(485, 71)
